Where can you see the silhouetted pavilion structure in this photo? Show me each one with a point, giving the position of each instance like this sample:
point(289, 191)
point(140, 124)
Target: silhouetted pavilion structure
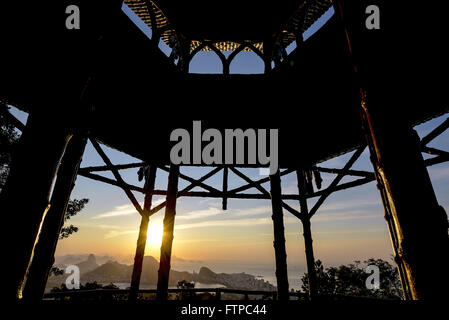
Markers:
point(346, 88)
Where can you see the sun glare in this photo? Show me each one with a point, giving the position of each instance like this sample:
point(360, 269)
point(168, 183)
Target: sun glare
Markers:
point(154, 235)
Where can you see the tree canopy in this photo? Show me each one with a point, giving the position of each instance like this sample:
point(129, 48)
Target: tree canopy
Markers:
point(9, 136)
point(350, 280)
point(74, 207)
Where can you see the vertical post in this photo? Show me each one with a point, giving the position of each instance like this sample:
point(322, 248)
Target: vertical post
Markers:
point(184, 45)
point(418, 225)
point(418, 228)
point(307, 234)
point(226, 67)
point(267, 53)
point(25, 196)
point(279, 238)
point(150, 179)
point(45, 248)
point(225, 188)
point(167, 240)
point(218, 294)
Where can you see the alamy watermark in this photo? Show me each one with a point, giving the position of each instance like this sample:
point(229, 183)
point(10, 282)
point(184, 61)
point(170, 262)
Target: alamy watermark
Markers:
point(73, 19)
point(372, 22)
point(373, 280)
point(73, 280)
point(189, 147)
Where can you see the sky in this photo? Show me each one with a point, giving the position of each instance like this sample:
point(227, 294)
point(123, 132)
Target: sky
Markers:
point(349, 225)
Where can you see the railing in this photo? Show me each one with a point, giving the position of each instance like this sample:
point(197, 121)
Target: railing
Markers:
point(108, 294)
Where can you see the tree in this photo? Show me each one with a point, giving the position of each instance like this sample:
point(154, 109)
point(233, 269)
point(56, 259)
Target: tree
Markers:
point(9, 137)
point(349, 280)
point(73, 208)
point(325, 280)
point(186, 294)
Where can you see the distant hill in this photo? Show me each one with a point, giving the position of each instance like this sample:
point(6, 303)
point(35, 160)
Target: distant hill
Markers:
point(69, 259)
point(234, 280)
point(115, 272)
point(88, 265)
point(111, 271)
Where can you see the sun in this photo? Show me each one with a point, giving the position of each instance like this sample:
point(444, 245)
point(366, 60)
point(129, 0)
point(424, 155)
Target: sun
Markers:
point(154, 235)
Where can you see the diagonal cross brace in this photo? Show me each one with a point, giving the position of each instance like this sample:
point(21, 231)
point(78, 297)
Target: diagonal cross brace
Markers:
point(122, 184)
point(435, 132)
point(256, 184)
point(186, 189)
point(337, 180)
point(259, 182)
point(197, 182)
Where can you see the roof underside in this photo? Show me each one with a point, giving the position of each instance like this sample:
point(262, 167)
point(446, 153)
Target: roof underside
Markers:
point(244, 21)
point(138, 96)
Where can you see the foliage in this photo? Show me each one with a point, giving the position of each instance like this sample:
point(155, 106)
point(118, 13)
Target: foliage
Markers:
point(187, 294)
point(8, 138)
point(349, 280)
point(87, 286)
point(73, 208)
point(56, 271)
point(185, 285)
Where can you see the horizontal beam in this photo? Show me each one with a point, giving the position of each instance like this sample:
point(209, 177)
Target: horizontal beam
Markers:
point(170, 290)
point(358, 173)
point(219, 194)
point(99, 178)
point(117, 167)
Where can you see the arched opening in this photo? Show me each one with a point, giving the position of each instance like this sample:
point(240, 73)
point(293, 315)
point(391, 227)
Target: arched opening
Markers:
point(206, 62)
point(247, 62)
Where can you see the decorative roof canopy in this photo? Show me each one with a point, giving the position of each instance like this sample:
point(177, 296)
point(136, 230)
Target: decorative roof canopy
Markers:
point(250, 22)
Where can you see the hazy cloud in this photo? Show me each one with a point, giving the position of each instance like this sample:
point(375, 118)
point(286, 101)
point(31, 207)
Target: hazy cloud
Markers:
point(115, 233)
point(123, 210)
point(224, 223)
point(198, 214)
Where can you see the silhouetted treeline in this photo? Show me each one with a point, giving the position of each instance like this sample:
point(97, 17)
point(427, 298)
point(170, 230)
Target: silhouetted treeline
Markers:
point(350, 280)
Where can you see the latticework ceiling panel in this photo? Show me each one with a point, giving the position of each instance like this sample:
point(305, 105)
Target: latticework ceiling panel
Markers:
point(302, 19)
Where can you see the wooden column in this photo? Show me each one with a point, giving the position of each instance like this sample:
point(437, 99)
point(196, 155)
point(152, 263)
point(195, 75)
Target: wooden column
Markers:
point(225, 188)
point(307, 234)
point(45, 248)
point(24, 199)
point(279, 238)
point(167, 239)
point(185, 53)
point(418, 225)
point(150, 179)
point(226, 67)
point(268, 54)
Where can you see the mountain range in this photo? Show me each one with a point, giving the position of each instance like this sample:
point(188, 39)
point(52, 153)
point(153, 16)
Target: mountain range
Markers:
point(112, 271)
